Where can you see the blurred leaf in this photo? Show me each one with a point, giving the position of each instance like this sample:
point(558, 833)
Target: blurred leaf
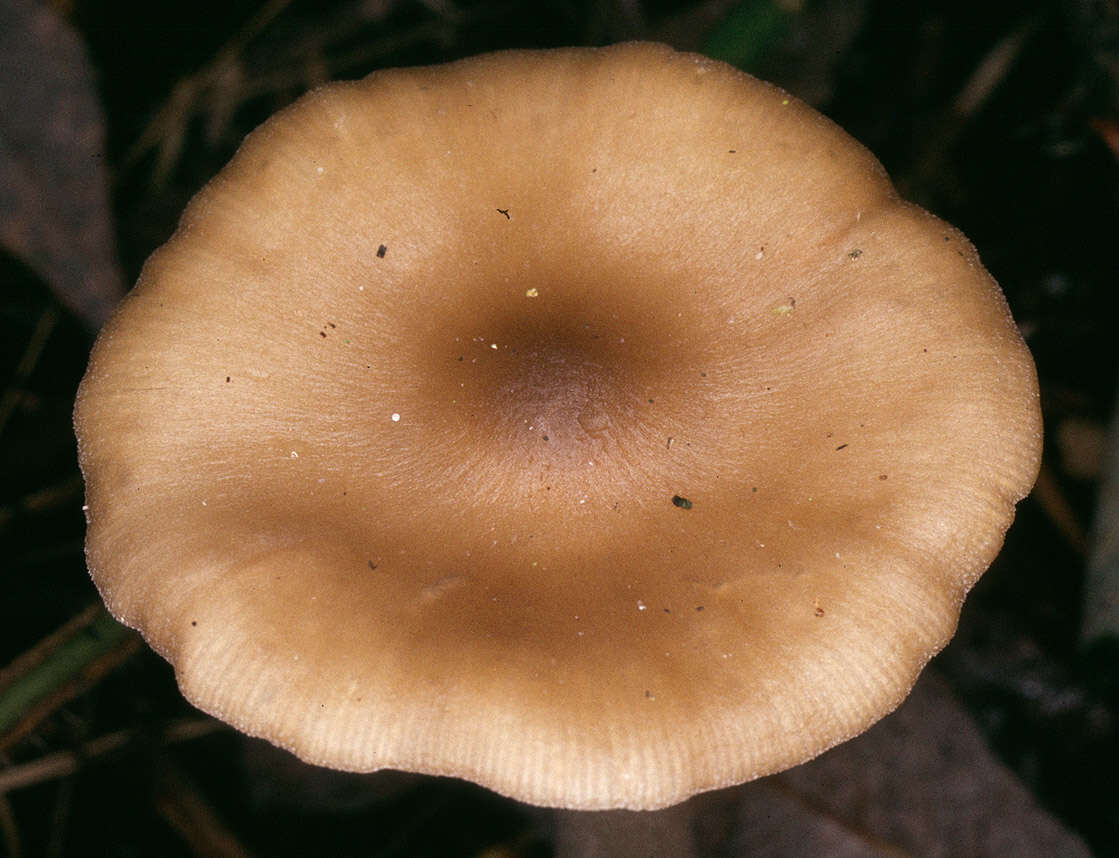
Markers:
point(924, 781)
point(920, 782)
point(58, 668)
point(749, 32)
point(1101, 587)
point(54, 204)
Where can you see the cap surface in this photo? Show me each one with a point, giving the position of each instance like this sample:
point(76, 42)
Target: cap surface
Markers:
point(596, 424)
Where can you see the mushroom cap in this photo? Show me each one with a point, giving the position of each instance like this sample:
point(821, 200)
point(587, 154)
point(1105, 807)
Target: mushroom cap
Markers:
point(597, 425)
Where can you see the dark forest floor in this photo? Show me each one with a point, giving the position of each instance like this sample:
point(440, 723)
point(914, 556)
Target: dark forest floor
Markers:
point(1001, 117)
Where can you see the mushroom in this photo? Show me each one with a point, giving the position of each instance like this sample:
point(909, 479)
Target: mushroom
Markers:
point(597, 425)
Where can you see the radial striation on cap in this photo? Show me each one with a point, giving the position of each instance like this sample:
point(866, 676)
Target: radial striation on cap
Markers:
point(597, 425)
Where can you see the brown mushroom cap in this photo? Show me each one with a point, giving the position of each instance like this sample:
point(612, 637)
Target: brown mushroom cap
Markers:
point(595, 424)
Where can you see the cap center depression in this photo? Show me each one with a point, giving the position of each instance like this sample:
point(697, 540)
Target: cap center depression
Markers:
point(560, 381)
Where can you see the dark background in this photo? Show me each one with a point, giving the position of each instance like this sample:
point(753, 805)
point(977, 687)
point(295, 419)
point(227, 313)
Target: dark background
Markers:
point(1001, 117)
